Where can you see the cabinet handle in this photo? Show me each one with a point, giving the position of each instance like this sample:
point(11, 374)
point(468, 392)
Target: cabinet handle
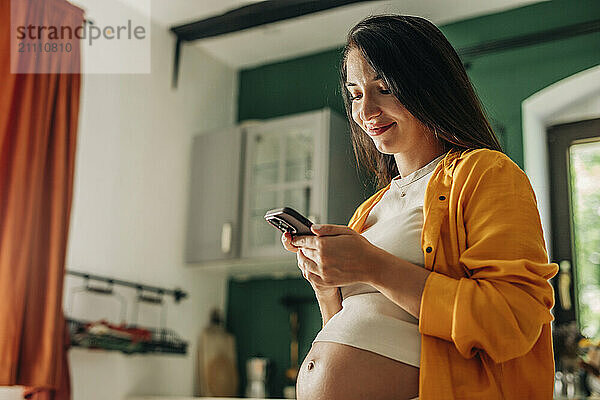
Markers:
point(564, 284)
point(226, 237)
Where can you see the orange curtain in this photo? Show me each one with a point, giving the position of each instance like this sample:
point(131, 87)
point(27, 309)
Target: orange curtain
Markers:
point(38, 132)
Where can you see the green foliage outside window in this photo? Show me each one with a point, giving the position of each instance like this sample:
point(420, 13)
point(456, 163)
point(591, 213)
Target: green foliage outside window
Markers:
point(585, 202)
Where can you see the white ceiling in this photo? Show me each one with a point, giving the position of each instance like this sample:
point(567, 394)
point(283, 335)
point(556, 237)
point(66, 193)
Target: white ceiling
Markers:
point(311, 33)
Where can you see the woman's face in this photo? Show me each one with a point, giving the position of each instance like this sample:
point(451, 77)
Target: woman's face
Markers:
point(378, 112)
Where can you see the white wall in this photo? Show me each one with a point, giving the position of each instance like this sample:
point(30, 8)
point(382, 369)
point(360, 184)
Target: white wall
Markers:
point(130, 206)
point(583, 109)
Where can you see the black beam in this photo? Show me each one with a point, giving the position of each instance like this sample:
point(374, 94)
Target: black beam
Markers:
point(253, 15)
point(530, 39)
point(271, 11)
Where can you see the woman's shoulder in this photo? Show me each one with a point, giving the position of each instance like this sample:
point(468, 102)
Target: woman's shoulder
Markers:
point(486, 168)
point(482, 155)
point(479, 160)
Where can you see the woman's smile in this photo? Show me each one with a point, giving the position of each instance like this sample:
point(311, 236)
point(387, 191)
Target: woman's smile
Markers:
point(376, 131)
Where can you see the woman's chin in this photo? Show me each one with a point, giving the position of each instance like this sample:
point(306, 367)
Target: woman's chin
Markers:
point(384, 147)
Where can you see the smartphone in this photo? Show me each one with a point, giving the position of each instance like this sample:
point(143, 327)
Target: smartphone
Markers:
point(287, 219)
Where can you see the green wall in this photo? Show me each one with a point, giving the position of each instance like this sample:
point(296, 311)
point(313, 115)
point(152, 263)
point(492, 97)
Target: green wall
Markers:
point(503, 80)
point(261, 325)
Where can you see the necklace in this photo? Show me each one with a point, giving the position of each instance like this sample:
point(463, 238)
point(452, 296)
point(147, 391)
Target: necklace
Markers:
point(418, 174)
point(403, 188)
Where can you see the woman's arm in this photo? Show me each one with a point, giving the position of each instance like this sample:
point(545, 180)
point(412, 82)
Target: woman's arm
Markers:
point(505, 301)
point(400, 281)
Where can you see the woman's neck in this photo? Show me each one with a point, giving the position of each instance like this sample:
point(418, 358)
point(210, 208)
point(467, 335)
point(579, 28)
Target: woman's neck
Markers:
point(408, 163)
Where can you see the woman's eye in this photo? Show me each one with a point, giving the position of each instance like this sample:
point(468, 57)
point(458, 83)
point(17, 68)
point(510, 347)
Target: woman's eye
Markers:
point(358, 96)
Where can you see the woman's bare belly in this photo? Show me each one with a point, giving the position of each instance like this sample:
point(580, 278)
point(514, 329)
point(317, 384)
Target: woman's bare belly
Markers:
point(334, 371)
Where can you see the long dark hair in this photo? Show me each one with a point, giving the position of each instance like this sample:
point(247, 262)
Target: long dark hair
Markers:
point(422, 69)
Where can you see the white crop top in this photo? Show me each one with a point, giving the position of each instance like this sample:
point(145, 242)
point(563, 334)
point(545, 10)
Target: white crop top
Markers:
point(368, 320)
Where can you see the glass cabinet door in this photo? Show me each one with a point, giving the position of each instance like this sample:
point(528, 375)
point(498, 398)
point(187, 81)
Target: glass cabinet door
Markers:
point(264, 172)
point(280, 173)
point(299, 154)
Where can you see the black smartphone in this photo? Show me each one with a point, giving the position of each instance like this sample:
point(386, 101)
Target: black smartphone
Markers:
point(287, 219)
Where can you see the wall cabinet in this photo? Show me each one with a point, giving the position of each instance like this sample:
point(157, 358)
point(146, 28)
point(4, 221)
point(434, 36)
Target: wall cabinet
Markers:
point(214, 207)
point(304, 161)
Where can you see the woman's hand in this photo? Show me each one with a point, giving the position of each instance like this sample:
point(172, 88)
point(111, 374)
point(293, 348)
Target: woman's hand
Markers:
point(336, 256)
point(320, 290)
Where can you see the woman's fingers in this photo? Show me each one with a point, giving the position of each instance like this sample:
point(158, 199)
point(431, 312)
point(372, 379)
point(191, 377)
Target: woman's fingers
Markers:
point(286, 240)
point(339, 256)
point(305, 241)
point(310, 266)
point(311, 254)
point(331, 230)
point(309, 271)
point(307, 264)
point(300, 265)
point(325, 235)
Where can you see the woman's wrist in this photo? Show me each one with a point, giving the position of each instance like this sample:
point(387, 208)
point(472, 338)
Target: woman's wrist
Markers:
point(330, 303)
point(380, 263)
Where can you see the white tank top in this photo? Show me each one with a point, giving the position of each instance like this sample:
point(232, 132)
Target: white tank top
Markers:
point(369, 320)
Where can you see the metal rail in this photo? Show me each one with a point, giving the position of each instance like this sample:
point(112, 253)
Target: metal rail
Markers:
point(177, 293)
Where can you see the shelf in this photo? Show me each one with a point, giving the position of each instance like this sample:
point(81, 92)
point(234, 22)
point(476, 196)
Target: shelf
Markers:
point(177, 293)
point(128, 340)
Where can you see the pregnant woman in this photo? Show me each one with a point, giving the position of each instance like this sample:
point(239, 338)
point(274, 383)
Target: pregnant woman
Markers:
point(438, 288)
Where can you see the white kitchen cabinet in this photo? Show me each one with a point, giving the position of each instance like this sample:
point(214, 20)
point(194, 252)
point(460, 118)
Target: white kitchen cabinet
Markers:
point(304, 161)
point(214, 208)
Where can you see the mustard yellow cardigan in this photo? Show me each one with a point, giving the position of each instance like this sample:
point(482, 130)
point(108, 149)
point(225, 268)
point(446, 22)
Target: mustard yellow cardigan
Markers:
point(485, 311)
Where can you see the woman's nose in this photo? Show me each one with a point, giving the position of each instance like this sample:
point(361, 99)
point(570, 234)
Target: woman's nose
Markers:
point(369, 109)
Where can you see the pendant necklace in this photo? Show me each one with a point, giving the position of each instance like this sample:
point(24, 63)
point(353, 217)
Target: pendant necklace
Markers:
point(403, 188)
point(417, 175)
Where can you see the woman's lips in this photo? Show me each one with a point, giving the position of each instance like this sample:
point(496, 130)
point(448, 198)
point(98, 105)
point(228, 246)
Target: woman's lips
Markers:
point(379, 131)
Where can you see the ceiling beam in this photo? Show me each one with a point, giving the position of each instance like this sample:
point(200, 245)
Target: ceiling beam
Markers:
point(270, 11)
point(250, 16)
point(563, 32)
point(253, 15)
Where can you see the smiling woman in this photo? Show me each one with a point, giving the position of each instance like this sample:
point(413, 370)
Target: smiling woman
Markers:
point(416, 296)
